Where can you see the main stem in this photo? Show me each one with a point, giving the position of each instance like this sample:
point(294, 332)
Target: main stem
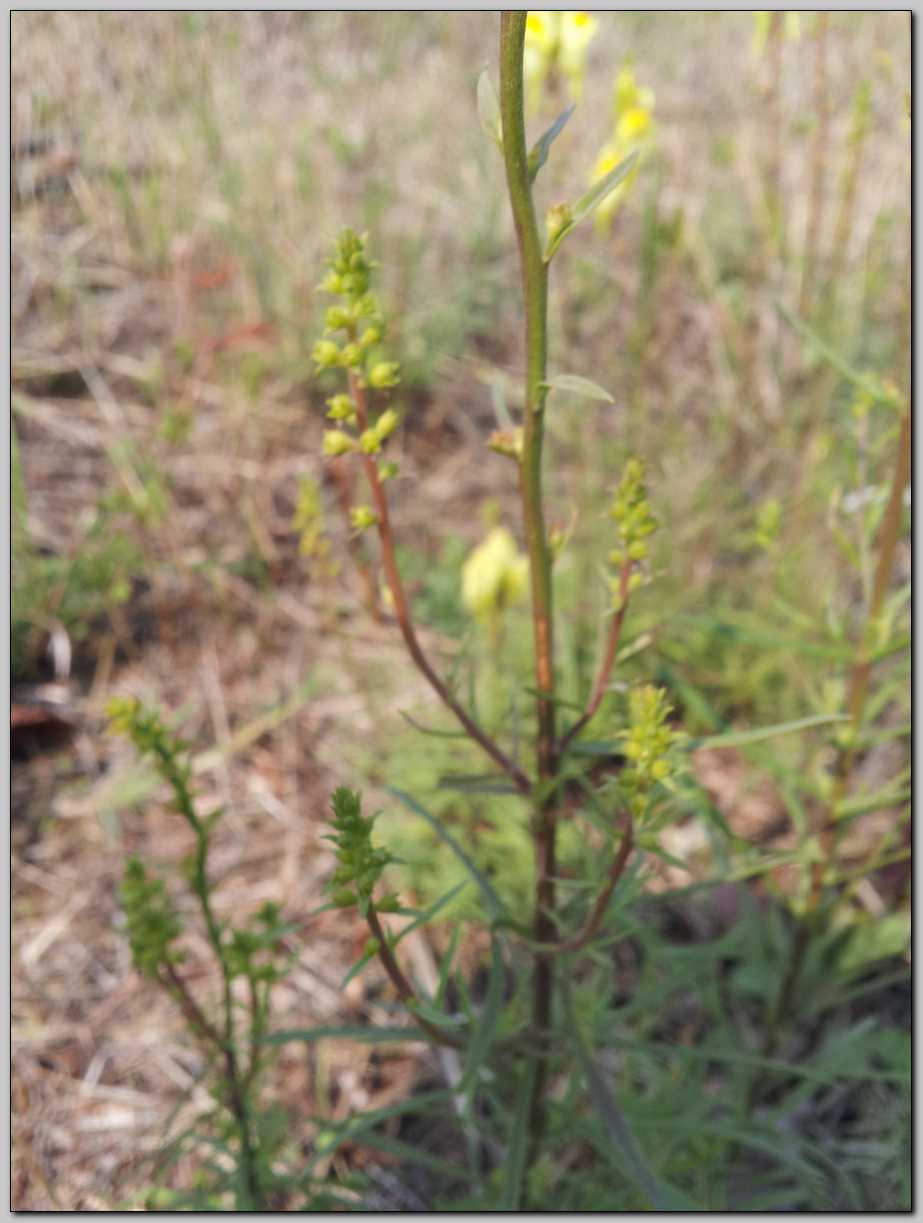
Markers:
point(535, 292)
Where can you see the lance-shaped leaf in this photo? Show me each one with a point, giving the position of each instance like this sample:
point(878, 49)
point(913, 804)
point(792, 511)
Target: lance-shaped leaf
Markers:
point(489, 108)
point(587, 203)
point(574, 384)
point(538, 154)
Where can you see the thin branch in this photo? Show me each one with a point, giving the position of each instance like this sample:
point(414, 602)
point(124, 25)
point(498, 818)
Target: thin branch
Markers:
point(888, 537)
point(598, 912)
point(402, 605)
point(608, 661)
point(405, 990)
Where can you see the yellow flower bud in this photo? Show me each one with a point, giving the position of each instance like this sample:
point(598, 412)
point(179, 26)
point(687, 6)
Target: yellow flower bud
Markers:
point(386, 424)
point(384, 374)
point(336, 442)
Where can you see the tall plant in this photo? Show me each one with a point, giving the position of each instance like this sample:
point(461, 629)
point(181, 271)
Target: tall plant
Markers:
point(352, 344)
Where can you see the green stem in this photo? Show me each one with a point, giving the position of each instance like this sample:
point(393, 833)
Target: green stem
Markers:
point(535, 293)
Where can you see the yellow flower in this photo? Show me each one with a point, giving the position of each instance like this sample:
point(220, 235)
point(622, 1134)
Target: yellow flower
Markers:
point(577, 30)
point(556, 40)
point(629, 94)
point(633, 125)
point(632, 109)
point(494, 576)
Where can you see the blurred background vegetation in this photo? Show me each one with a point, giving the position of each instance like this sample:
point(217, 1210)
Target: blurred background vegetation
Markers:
point(177, 180)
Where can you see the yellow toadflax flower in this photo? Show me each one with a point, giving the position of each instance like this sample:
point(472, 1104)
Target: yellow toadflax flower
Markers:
point(633, 124)
point(494, 576)
point(556, 40)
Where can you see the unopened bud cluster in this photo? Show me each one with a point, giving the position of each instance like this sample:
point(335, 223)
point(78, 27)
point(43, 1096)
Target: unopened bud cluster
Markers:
point(648, 740)
point(359, 862)
point(147, 732)
point(351, 341)
point(152, 921)
point(631, 510)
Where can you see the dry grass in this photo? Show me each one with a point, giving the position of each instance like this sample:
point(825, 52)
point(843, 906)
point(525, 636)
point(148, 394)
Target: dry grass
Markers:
point(165, 245)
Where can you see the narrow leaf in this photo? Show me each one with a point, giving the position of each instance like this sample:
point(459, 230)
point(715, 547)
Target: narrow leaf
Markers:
point(477, 783)
point(587, 203)
point(832, 357)
point(357, 968)
point(494, 904)
point(539, 152)
point(516, 1155)
point(486, 1029)
point(428, 914)
point(738, 738)
point(662, 1197)
point(429, 730)
point(489, 108)
point(366, 1035)
point(574, 384)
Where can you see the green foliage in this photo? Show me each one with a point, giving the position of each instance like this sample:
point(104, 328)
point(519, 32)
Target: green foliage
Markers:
point(359, 863)
point(252, 1135)
point(765, 570)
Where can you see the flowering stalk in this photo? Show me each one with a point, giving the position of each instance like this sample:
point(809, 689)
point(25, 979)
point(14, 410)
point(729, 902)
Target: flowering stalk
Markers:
point(349, 277)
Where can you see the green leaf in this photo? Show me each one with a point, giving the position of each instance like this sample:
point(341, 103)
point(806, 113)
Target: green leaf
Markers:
point(738, 738)
point(429, 730)
point(883, 799)
point(477, 783)
point(740, 632)
point(486, 1029)
point(489, 109)
point(409, 1153)
point(539, 152)
point(574, 384)
point(494, 904)
point(587, 203)
point(357, 968)
point(366, 1035)
point(663, 1197)
point(428, 914)
point(516, 1155)
point(869, 385)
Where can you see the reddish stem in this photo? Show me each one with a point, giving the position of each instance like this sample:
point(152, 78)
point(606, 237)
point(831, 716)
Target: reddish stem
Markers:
point(608, 660)
point(402, 606)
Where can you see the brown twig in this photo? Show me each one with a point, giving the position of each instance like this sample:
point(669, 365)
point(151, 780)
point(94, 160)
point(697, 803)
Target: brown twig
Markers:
point(341, 477)
point(402, 605)
point(888, 536)
point(598, 912)
point(237, 1097)
point(405, 990)
point(608, 661)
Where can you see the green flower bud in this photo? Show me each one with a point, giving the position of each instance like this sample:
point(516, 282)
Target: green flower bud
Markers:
point(363, 516)
point(507, 442)
point(326, 354)
point(341, 407)
point(345, 898)
point(384, 374)
point(369, 441)
point(387, 471)
point(332, 283)
point(559, 217)
point(369, 338)
point(336, 442)
point(351, 356)
point(386, 424)
point(336, 318)
point(637, 550)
